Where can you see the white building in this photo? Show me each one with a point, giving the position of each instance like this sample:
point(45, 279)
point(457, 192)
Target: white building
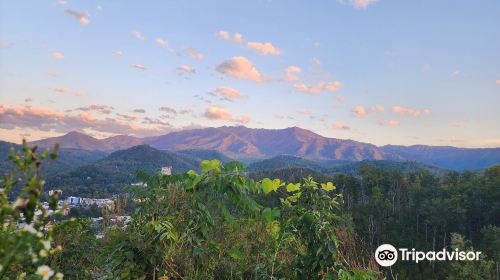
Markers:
point(166, 170)
point(53, 192)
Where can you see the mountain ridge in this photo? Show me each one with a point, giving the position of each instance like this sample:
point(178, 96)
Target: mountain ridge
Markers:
point(240, 142)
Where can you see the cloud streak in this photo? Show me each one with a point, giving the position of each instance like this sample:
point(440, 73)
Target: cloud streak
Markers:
point(319, 88)
point(410, 112)
point(185, 69)
point(44, 119)
point(194, 54)
point(358, 4)
point(138, 35)
point(138, 66)
point(82, 18)
point(340, 126)
point(66, 90)
point(227, 93)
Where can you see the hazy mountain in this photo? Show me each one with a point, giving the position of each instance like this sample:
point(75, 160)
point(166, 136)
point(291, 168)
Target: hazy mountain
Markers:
point(78, 140)
point(73, 140)
point(448, 157)
point(330, 167)
point(248, 144)
point(243, 142)
point(67, 158)
point(120, 142)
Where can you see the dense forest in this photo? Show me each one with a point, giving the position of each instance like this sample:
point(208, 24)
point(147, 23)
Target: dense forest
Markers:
point(219, 223)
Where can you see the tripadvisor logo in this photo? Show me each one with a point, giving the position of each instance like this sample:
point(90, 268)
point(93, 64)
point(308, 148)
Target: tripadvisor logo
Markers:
point(387, 255)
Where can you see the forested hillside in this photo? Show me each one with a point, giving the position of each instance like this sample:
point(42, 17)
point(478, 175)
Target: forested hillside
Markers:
point(217, 223)
point(112, 174)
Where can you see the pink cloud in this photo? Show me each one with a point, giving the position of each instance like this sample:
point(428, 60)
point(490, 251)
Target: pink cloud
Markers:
point(118, 53)
point(241, 119)
point(66, 90)
point(236, 37)
point(62, 90)
point(391, 123)
point(57, 55)
point(410, 112)
point(264, 48)
point(217, 113)
point(241, 68)
point(161, 42)
point(83, 18)
point(227, 93)
point(224, 35)
point(194, 54)
point(340, 126)
point(497, 82)
point(360, 111)
point(340, 98)
point(138, 35)
point(184, 69)
point(358, 4)
point(319, 88)
point(291, 73)
point(45, 119)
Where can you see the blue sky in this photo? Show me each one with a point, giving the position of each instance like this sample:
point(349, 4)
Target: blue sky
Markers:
point(383, 72)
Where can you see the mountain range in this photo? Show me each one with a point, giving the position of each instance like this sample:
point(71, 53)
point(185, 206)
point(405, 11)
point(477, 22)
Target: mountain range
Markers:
point(244, 143)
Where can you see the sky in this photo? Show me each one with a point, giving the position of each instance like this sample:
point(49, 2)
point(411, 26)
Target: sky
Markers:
point(376, 71)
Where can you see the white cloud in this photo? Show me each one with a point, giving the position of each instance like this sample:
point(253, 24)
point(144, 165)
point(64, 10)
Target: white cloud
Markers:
point(138, 66)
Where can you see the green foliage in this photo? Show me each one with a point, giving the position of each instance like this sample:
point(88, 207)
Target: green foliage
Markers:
point(475, 270)
point(79, 258)
point(26, 241)
point(210, 226)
